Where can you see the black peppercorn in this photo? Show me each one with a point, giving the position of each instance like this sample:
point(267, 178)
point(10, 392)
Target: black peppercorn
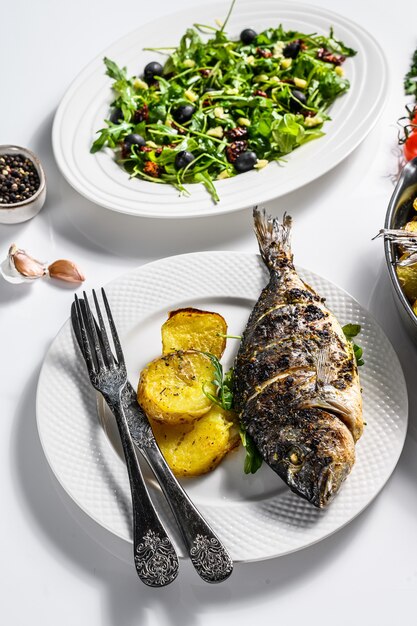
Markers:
point(19, 179)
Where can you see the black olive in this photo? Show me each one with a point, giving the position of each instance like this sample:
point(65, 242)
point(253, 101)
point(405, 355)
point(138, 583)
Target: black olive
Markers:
point(291, 50)
point(245, 161)
point(116, 116)
point(247, 36)
point(151, 70)
point(295, 106)
point(134, 140)
point(183, 113)
point(183, 159)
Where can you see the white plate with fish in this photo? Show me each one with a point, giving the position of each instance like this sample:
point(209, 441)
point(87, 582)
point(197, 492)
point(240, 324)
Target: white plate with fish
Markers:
point(257, 516)
point(86, 104)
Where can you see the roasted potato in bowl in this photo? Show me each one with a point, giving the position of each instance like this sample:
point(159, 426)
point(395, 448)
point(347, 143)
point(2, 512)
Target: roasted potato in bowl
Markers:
point(194, 329)
point(197, 448)
point(171, 387)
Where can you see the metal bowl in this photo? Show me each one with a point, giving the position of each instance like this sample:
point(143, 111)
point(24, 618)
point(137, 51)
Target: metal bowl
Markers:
point(400, 211)
point(16, 212)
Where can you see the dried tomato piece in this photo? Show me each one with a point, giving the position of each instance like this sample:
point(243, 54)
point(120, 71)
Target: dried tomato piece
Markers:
point(329, 57)
point(266, 54)
point(141, 115)
point(236, 148)
point(261, 93)
point(180, 130)
point(240, 132)
point(152, 169)
point(204, 72)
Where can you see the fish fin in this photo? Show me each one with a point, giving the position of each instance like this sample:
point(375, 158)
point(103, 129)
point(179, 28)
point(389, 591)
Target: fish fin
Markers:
point(323, 366)
point(273, 237)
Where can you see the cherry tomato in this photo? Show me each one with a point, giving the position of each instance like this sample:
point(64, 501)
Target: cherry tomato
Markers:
point(410, 146)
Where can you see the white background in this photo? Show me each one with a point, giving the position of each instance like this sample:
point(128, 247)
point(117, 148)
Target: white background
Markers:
point(51, 570)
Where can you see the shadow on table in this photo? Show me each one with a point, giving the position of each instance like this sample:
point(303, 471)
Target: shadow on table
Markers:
point(126, 600)
point(95, 228)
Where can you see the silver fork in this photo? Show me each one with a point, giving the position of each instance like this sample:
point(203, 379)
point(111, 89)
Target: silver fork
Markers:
point(207, 553)
point(155, 558)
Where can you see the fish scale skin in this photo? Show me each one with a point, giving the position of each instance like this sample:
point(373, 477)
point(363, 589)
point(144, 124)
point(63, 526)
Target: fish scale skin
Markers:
point(296, 384)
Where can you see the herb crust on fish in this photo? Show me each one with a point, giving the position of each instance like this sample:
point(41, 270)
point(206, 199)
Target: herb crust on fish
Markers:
point(296, 383)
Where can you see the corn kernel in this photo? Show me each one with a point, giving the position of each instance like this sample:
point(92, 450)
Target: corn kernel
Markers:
point(189, 63)
point(339, 70)
point(223, 174)
point(243, 121)
point(286, 63)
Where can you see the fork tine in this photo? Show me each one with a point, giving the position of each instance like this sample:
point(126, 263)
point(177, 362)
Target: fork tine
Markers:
point(103, 337)
point(92, 330)
point(116, 341)
point(84, 337)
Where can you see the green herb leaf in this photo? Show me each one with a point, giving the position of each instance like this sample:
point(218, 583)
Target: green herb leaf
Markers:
point(253, 459)
point(410, 79)
point(224, 384)
point(114, 71)
point(351, 331)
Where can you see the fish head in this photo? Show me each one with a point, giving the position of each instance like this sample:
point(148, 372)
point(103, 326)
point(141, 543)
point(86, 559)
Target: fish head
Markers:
point(313, 451)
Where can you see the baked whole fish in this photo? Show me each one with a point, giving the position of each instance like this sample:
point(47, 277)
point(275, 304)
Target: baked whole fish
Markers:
point(296, 386)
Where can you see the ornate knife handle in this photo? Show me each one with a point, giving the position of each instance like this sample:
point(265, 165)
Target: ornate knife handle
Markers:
point(208, 555)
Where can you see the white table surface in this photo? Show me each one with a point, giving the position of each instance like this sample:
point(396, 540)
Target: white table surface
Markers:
point(51, 570)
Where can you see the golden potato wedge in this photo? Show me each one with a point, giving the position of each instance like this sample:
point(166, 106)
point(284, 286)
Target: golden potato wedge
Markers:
point(407, 275)
point(197, 448)
point(411, 226)
point(194, 329)
point(171, 387)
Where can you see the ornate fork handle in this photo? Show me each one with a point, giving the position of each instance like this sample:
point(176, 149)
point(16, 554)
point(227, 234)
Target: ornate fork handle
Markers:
point(155, 558)
point(209, 557)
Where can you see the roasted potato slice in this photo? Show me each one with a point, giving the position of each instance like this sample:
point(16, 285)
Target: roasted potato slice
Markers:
point(193, 329)
point(407, 275)
point(171, 387)
point(197, 448)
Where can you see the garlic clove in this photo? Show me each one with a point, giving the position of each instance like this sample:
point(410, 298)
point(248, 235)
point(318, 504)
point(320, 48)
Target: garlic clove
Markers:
point(66, 270)
point(25, 264)
point(20, 267)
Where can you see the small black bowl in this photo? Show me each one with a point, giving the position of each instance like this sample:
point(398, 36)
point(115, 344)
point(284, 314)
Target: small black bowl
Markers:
point(400, 211)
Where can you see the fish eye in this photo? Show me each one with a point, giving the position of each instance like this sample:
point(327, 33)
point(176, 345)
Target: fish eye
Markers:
point(295, 456)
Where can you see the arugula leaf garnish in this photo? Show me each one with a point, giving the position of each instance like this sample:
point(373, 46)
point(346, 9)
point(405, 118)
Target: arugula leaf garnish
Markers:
point(253, 459)
point(224, 398)
point(351, 331)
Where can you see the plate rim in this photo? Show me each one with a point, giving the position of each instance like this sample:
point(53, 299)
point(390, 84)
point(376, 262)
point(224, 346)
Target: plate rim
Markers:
point(186, 211)
point(219, 253)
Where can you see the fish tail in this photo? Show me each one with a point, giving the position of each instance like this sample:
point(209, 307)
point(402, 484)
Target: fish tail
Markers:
point(274, 238)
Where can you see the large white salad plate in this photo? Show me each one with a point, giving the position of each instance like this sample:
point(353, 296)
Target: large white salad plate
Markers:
point(256, 516)
point(86, 104)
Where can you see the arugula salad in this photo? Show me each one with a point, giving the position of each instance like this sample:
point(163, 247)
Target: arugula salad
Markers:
point(219, 107)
